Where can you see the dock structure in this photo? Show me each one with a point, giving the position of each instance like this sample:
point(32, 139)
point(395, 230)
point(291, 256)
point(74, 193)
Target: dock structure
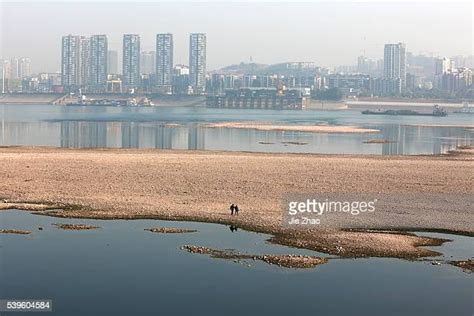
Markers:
point(271, 99)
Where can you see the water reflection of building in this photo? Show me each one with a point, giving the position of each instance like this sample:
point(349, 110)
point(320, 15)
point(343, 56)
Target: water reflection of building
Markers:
point(196, 136)
point(129, 135)
point(416, 140)
point(396, 136)
point(80, 134)
point(163, 137)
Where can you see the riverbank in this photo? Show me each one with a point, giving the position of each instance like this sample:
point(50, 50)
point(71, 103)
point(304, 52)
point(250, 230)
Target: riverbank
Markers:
point(424, 192)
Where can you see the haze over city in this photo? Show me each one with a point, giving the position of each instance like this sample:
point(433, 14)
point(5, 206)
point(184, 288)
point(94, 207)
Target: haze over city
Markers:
point(324, 33)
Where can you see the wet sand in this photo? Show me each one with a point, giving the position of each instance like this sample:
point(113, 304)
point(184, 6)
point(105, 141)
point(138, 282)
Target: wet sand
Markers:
point(426, 192)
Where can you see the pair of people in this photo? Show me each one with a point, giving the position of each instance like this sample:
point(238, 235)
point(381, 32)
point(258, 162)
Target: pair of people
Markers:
point(234, 209)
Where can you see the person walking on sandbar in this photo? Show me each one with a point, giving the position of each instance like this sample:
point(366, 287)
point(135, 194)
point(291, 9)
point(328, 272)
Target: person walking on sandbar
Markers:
point(232, 208)
point(236, 210)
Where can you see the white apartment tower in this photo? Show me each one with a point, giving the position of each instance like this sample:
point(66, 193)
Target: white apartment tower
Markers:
point(74, 61)
point(164, 60)
point(395, 63)
point(98, 62)
point(131, 61)
point(197, 62)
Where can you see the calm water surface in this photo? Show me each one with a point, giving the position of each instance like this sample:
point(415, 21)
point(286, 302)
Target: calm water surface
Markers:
point(132, 127)
point(120, 269)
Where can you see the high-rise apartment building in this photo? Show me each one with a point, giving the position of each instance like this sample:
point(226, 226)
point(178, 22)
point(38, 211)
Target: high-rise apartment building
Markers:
point(131, 61)
point(147, 62)
point(164, 60)
point(84, 60)
point(395, 64)
point(74, 61)
point(197, 62)
point(70, 61)
point(112, 62)
point(98, 62)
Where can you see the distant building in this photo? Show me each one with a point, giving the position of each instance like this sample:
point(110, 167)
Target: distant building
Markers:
point(349, 83)
point(442, 67)
point(15, 68)
point(258, 98)
point(362, 64)
point(70, 61)
point(6, 73)
point(24, 67)
point(112, 62)
point(164, 61)
point(98, 63)
point(74, 61)
point(385, 86)
point(84, 60)
point(197, 62)
point(456, 80)
point(180, 81)
point(18, 68)
point(131, 61)
point(47, 81)
point(6, 68)
point(395, 64)
point(147, 62)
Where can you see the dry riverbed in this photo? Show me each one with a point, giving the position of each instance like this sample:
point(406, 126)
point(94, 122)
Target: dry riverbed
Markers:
point(426, 192)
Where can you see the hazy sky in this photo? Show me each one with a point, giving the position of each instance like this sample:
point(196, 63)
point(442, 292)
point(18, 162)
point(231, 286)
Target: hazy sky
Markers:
point(326, 33)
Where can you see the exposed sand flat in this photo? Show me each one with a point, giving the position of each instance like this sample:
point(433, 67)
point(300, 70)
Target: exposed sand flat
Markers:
point(440, 125)
point(29, 98)
point(423, 192)
point(294, 128)
point(394, 103)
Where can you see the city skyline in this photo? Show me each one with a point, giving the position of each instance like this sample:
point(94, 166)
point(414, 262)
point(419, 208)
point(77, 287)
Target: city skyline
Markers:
point(324, 33)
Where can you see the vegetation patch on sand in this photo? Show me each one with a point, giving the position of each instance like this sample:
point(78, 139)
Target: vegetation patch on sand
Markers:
point(294, 143)
point(465, 265)
point(266, 143)
point(170, 230)
point(75, 226)
point(14, 231)
point(377, 141)
point(286, 261)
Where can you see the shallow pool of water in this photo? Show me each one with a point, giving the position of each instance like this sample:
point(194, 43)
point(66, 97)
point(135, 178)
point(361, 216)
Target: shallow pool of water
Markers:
point(120, 269)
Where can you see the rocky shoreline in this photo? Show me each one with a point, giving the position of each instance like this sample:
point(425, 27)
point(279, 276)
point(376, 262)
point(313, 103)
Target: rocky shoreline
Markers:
point(170, 230)
point(285, 261)
point(15, 231)
point(75, 226)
